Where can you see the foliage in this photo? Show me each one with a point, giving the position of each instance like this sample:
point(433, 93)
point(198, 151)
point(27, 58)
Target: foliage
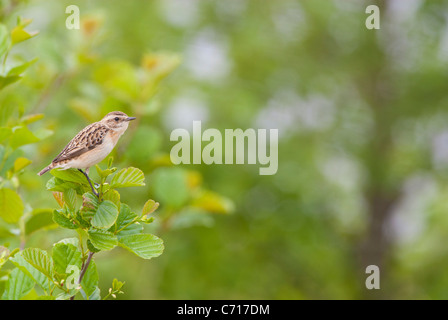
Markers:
point(102, 223)
point(362, 143)
point(43, 271)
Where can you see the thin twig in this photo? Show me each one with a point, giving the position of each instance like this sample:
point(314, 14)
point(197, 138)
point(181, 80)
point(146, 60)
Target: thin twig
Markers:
point(84, 269)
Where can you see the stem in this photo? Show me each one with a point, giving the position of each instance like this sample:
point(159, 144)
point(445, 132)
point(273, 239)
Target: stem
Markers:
point(84, 269)
point(90, 183)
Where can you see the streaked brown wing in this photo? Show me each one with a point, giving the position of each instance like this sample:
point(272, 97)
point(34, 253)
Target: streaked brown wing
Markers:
point(87, 139)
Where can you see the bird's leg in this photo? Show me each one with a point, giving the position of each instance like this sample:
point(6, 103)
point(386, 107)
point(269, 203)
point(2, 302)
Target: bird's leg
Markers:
point(90, 183)
point(97, 185)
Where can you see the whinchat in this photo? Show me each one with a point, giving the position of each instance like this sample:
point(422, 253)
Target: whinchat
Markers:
point(92, 144)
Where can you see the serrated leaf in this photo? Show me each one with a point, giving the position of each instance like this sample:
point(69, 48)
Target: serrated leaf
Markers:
point(128, 177)
point(72, 241)
point(59, 185)
point(59, 196)
point(18, 285)
point(64, 255)
point(105, 215)
point(72, 175)
point(90, 205)
point(69, 197)
point(124, 220)
point(61, 218)
point(102, 239)
point(40, 260)
point(83, 223)
point(27, 267)
point(145, 246)
point(11, 205)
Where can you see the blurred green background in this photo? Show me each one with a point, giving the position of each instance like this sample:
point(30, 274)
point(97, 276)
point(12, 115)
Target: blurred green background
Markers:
point(363, 139)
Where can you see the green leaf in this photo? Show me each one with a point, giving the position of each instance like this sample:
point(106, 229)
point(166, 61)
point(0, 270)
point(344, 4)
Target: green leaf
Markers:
point(20, 163)
point(102, 239)
point(72, 241)
point(61, 218)
point(145, 246)
point(56, 184)
point(83, 223)
point(149, 207)
point(18, 285)
point(70, 198)
point(104, 173)
point(40, 218)
point(90, 205)
point(40, 260)
point(18, 70)
point(105, 215)
point(7, 80)
point(72, 175)
point(91, 247)
point(18, 34)
point(21, 135)
point(128, 177)
point(110, 160)
point(124, 224)
point(117, 285)
point(113, 196)
point(34, 264)
point(11, 205)
point(64, 255)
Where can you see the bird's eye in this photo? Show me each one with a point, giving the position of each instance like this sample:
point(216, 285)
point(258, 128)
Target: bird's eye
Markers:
point(116, 119)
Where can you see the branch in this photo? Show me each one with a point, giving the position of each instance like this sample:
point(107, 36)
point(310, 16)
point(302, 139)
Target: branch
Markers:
point(84, 269)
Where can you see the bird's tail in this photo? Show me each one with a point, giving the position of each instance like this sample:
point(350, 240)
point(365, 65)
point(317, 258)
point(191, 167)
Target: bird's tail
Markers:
point(47, 168)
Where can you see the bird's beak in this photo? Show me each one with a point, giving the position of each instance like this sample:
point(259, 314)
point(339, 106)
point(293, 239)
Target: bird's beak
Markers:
point(130, 118)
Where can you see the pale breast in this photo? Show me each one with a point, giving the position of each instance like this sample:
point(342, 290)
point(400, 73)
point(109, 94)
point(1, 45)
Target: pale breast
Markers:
point(94, 156)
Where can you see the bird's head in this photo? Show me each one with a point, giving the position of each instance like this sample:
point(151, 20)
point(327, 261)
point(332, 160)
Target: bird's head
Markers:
point(117, 120)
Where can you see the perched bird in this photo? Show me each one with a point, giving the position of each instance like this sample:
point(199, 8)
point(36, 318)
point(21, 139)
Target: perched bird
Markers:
point(92, 144)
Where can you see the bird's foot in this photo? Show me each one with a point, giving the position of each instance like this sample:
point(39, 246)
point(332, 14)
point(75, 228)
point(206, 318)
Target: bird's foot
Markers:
point(90, 183)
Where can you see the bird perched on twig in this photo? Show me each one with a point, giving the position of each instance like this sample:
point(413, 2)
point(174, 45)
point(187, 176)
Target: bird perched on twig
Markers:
point(91, 145)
